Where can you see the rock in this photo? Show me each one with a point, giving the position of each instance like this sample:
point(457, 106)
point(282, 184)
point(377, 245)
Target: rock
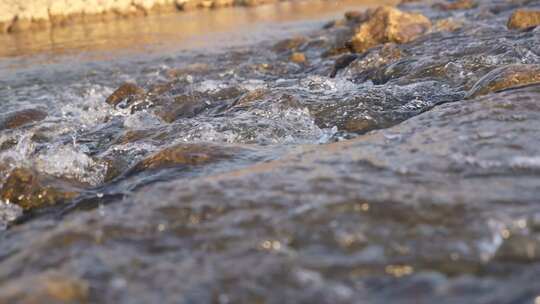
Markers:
point(358, 16)
point(342, 62)
point(289, 44)
point(249, 99)
point(20, 118)
point(456, 5)
point(523, 19)
point(185, 155)
point(388, 24)
point(519, 248)
point(48, 287)
point(298, 57)
point(359, 125)
point(183, 106)
point(30, 190)
point(128, 93)
point(506, 77)
point(368, 65)
point(448, 25)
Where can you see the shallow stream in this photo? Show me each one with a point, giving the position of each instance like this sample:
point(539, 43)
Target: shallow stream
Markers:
point(255, 159)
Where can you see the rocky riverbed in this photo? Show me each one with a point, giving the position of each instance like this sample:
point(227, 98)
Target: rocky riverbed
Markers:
point(391, 156)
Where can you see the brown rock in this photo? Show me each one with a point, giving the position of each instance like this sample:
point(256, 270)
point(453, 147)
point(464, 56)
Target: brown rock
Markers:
point(524, 19)
point(49, 287)
point(30, 190)
point(20, 118)
point(297, 57)
point(358, 16)
point(249, 99)
point(289, 44)
point(519, 249)
point(388, 24)
point(183, 106)
point(456, 5)
point(506, 77)
point(448, 25)
point(127, 92)
point(185, 155)
point(359, 125)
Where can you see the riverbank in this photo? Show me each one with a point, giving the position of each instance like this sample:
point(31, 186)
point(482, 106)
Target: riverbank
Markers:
point(19, 16)
point(16, 16)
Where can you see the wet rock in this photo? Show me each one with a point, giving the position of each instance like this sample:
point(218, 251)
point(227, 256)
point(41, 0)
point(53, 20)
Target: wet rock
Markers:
point(298, 57)
point(368, 65)
point(48, 287)
point(448, 25)
point(248, 99)
point(342, 62)
point(194, 68)
point(20, 118)
point(358, 16)
point(359, 125)
point(456, 5)
point(519, 248)
point(30, 190)
point(388, 24)
point(289, 44)
point(183, 106)
point(126, 93)
point(185, 155)
point(523, 19)
point(506, 77)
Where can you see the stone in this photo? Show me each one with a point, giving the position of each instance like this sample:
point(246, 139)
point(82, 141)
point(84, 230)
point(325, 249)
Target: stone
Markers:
point(520, 249)
point(128, 93)
point(48, 287)
point(388, 24)
point(29, 190)
point(20, 118)
point(298, 57)
point(289, 44)
point(523, 19)
point(191, 154)
point(358, 16)
point(448, 25)
point(456, 5)
point(183, 106)
point(506, 77)
point(342, 62)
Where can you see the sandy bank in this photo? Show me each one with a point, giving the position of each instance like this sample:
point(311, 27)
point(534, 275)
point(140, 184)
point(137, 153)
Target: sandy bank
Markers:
point(19, 15)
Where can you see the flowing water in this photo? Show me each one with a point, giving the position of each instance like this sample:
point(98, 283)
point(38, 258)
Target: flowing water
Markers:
point(235, 172)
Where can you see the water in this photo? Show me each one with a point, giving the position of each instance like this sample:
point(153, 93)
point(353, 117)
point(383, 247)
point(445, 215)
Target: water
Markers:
point(235, 175)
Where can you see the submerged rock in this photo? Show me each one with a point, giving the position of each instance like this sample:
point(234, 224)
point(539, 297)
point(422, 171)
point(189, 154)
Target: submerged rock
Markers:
point(506, 77)
point(188, 154)
point(298, 57)
point(519, 248)
point(456, 5)
point(523, 19)
point(30, 190)
point(388, 24)
point(20, 118)
point(128, 93)
point(289, 44)
point(448, 24)
point(48, 287)
point(183, 106)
